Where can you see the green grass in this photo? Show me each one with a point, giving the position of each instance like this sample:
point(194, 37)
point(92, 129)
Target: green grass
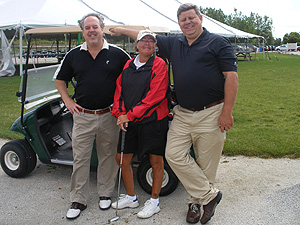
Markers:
point(266, 113)
point(267, 109)
point(10, 107)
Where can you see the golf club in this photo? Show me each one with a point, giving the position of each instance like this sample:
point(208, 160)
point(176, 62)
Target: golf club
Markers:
point(120, 172)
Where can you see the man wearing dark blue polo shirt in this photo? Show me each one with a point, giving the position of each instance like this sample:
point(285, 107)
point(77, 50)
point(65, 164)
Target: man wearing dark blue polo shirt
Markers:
point(206, 83)
point(95, 65)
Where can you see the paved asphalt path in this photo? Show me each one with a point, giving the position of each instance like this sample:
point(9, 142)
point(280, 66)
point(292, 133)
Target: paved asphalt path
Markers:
point(255, 191)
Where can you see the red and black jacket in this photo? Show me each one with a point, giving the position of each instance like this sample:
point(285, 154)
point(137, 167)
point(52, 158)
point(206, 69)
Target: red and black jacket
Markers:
point(142, 93)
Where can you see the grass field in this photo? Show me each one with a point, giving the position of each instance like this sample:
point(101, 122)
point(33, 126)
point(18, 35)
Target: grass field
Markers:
point(266, 113)
point(10, 107)
point(267, 110)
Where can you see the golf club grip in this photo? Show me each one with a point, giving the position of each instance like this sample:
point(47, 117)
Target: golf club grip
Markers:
point(123, 141)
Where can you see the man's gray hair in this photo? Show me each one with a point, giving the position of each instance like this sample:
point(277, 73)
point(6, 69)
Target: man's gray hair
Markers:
point(99, 17)
point(186, 7)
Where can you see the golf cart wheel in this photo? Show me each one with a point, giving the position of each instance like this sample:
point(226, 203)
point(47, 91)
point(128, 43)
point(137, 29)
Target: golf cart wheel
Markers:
point(145, 178)
point(17, 158)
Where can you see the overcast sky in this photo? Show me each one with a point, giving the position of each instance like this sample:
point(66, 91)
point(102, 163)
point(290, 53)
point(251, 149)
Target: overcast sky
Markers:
point(285, 14)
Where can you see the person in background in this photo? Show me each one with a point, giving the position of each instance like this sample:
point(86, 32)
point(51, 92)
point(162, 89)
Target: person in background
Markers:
point(95, 65)
point(206, 82)
point(141, 106)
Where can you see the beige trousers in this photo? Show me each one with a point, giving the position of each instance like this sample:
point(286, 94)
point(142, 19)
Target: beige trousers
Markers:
point(201, 130)
point(87, 127)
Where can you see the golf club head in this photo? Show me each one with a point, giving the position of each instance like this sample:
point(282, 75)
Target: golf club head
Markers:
point(113, 219)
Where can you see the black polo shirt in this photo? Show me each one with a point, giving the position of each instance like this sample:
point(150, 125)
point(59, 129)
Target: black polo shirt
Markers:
point(96, 78)
point(197, 69)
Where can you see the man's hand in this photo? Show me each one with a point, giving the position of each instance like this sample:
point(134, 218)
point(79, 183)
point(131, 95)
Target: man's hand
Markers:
point(121, 121)
point(116, 31)
point(72, 106)
point(69, 102)
point(225, 121)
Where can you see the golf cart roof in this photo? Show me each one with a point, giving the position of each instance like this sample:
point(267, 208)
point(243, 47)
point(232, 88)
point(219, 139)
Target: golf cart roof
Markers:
point(55, 30)
point(76, 29)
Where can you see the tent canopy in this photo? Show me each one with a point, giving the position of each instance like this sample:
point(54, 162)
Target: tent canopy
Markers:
point(149, 13)
point(133, 12)
point(43, 13)
point(152, 12)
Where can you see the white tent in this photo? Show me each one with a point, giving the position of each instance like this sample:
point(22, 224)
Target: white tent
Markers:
point(41, 13)
point(150, 13)
point(163, 13)
point(133, 13)
point(25, 14)
point(169, 8)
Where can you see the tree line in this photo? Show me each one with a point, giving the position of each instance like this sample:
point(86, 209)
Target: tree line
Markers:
point(254, 24)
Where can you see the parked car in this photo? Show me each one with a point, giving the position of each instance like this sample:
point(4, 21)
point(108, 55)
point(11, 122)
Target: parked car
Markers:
point(282, 48)
point(250, 48)
point(238, 49)
point(267, 48)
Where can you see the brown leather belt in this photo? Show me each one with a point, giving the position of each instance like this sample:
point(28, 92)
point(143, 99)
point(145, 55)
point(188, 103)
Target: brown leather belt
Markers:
point(98, 111)
point(207, 106)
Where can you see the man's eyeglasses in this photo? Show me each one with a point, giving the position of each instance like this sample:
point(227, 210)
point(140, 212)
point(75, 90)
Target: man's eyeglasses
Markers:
point(150, 41)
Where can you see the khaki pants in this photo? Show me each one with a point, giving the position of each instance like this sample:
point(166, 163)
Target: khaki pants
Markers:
point(201, 130)
point(87, 127)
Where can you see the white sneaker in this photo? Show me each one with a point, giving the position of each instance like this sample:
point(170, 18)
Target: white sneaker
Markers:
point(75, 210)
point(125, 202)
point(73, 213)
point(148, 210)
point(104, 203)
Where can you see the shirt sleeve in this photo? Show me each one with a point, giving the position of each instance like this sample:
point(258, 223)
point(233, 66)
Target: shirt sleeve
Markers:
point(164, 45)
point(226, 57)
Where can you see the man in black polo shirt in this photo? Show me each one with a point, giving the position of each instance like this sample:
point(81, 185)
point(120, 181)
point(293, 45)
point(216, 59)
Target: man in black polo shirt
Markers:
point(206, 82)
point(95, 65)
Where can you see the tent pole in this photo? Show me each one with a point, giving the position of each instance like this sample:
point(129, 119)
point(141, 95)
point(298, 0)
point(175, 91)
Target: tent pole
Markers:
point(128, 39)
point(70, 42)
point(65, 42)
point(79, 39)
point(14, 49)
point(21, 48)
point(263, 47)
point(36, 48)
point(57, 49)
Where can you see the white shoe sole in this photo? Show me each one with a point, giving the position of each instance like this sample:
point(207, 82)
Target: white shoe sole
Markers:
point(73, 213)
point(133, 205)
point(104, 204)
point(148, 216)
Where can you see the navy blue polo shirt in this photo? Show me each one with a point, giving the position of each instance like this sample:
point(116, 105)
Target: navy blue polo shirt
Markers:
point(197, 69)
point(96, 78)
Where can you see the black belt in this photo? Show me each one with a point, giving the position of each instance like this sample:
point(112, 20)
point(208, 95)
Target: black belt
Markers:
point(98, 111)
point(207, 106)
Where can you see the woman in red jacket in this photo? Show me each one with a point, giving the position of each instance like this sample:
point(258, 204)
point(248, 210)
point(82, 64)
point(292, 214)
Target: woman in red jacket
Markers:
point(141, 106)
